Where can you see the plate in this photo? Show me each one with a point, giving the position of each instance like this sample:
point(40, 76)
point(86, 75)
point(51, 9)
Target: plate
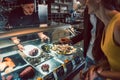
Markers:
point(28, 48)
point(64, 49)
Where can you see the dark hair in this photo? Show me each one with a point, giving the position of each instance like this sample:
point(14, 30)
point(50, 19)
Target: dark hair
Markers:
point(25, 1)
point(117, 4)
point(110, 4)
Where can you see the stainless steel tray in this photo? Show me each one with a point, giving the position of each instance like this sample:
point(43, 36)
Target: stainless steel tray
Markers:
point(16, 59)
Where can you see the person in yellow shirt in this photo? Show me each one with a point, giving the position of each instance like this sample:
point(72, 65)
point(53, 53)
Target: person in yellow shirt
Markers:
point(106, 11)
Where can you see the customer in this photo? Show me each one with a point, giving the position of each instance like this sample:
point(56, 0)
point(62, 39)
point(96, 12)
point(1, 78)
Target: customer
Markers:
point(24, 15)
point(91, 37)
point(106, 11)
point(91, 31)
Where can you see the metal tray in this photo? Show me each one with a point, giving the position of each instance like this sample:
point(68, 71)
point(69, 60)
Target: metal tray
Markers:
point(16, 59)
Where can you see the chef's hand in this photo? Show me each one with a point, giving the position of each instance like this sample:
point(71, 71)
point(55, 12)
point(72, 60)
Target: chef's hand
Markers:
point(17, 42)
point(20, 47)
point(65, 41)
point(43, 37)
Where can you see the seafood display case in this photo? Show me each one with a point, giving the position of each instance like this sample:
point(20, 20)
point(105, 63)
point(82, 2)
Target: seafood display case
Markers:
point(39, 60)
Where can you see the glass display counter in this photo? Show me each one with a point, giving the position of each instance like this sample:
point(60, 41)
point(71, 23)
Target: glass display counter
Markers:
point(39, 60)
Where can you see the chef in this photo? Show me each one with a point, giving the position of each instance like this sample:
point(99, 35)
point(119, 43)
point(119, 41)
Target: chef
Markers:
point(26, 16)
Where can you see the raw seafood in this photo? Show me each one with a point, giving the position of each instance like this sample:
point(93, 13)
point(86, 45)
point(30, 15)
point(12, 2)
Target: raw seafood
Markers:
point(8, 69)
point(46, 48)
point(9, 77)
point(7, 62)
point(63, 48)
point(27, 73)
point(3, 65)
point(33, 52)
point(45, 67)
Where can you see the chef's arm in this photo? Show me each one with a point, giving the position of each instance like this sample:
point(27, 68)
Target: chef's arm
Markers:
point(42, 36)
point(17, 42)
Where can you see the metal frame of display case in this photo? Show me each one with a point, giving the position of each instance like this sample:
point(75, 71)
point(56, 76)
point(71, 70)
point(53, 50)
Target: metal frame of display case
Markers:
point(24, 31)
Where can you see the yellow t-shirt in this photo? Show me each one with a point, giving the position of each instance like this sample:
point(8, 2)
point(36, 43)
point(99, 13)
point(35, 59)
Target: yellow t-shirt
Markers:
point(110, 49)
